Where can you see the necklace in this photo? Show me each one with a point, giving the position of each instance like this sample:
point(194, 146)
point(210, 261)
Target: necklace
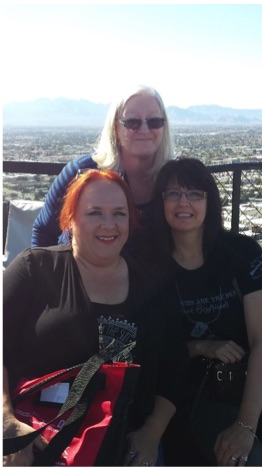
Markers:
point(79, 259)
point(200, 327)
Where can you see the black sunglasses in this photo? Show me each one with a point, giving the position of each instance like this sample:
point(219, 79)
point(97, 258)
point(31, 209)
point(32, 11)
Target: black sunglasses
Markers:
point(135, 124)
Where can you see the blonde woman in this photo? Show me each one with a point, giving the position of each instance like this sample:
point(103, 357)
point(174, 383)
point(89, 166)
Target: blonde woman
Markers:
point(135, 141)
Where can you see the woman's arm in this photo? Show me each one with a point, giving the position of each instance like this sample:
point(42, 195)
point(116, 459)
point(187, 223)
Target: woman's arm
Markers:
point(46, 229)
point(7, 405)
point(144, 443)
point(238, 440)
point(224, 350)
point(251, 405)
point(12, 427)
point(17, 296)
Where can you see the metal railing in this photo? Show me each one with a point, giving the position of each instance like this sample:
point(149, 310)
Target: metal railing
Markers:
point(239, 183)
point(240, 186)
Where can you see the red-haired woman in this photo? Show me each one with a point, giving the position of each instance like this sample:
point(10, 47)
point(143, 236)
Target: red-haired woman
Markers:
point(62, 304)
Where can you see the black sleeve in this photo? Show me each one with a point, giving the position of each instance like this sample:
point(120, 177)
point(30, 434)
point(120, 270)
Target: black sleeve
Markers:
point(247, 259)
point(18, 287)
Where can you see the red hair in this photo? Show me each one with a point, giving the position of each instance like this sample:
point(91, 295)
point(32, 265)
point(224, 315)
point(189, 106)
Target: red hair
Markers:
point(76, 187)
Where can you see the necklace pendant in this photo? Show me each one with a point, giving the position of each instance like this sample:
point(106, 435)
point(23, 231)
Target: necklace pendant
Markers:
point(199, 330)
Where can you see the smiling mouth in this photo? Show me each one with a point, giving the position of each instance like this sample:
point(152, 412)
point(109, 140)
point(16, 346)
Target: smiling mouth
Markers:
point(103, 238)
point(144, 139)
point(183, 215)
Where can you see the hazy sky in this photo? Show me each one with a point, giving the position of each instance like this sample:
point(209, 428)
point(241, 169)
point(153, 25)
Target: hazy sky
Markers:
point(192, 54)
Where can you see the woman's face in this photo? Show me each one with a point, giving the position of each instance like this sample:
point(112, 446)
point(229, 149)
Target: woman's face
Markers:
point(101, 223)
point(185, 215)
point(140, 144)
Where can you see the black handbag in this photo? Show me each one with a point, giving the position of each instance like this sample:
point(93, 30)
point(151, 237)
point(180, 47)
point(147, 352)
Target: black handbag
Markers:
point(228, 380)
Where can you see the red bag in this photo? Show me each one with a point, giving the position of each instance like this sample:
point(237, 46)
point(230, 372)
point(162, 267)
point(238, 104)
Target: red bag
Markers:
point(89, 428)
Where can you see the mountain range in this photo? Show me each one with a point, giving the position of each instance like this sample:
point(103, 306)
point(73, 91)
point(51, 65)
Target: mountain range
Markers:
point(62, 112)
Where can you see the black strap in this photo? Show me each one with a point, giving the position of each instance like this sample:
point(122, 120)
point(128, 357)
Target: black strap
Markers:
point(62, 439)
point(14, 444)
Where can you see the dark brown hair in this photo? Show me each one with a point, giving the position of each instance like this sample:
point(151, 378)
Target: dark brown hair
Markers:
point(190, 173)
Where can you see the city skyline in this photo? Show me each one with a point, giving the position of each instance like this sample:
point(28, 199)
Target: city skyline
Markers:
point(192, 54)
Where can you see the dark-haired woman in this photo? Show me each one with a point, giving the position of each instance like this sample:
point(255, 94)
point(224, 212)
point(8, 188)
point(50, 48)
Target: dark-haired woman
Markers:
point(205, 262)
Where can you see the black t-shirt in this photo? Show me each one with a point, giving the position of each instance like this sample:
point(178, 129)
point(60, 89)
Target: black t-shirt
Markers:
point(209, 303)
point(117, 331)
point(50, 323)
point(209, 311)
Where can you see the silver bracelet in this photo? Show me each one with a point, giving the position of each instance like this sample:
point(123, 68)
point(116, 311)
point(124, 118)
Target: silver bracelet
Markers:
point(250, 428)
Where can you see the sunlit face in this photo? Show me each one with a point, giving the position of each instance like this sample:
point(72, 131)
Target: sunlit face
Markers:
point(143, 142)
point(184, 215)
point(101, 224)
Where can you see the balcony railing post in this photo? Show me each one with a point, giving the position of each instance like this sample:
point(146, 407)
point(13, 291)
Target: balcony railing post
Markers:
point(5, 221)
point(236, 199)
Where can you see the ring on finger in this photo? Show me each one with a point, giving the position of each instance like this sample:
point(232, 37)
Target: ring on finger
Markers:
point(234, 459)
point(244, 457)
point(145, 463)
point(132, 453)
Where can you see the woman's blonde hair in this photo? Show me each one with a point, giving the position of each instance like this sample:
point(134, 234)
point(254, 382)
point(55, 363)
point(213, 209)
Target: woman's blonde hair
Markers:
point(108, 154)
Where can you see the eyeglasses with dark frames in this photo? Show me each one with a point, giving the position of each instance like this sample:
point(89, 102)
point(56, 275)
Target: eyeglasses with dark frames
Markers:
point(153, 123)
point(191, 195)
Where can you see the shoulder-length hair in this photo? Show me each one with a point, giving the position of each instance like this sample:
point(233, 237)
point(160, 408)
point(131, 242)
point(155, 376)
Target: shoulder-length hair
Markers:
point(190, 173)
point(77, 186)
point(108, 152)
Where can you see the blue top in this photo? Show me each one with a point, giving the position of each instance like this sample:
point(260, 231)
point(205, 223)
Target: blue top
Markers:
point(46, 230)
